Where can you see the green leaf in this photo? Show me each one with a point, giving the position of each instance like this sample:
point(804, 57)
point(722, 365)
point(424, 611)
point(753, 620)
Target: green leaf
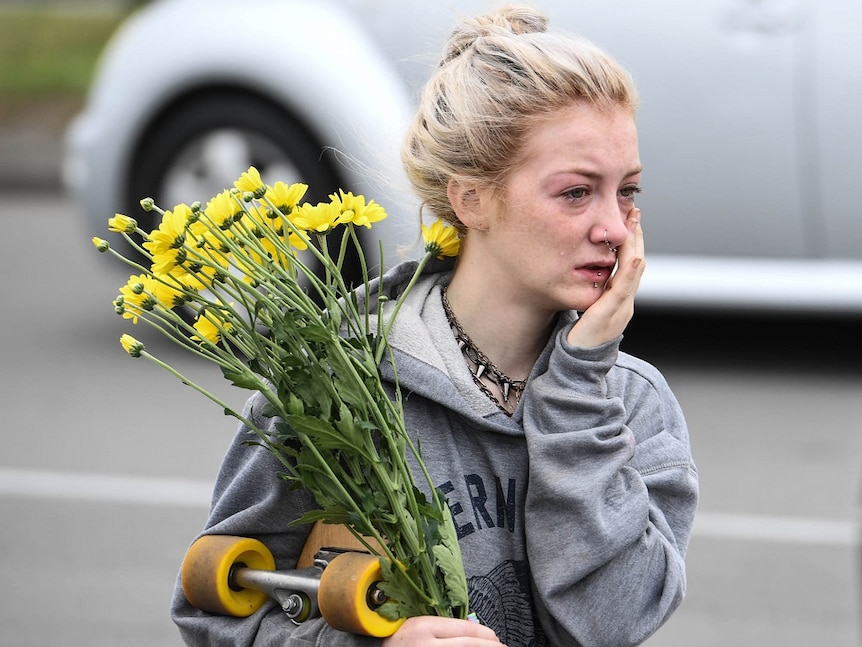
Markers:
point(324, 434)
point(244, 379)
point(314, 332)
point(337, 517)
point(404, 601)
point(453, 574)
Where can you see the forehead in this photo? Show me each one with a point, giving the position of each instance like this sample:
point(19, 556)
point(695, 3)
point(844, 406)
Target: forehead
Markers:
point(582, 134)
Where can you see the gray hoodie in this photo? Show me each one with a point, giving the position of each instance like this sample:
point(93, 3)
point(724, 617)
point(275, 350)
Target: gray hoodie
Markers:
point(573, 515)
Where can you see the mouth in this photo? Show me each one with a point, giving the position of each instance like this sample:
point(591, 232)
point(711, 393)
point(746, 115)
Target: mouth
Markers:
point(596, 272)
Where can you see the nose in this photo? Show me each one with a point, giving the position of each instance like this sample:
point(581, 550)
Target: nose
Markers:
point(610, 229)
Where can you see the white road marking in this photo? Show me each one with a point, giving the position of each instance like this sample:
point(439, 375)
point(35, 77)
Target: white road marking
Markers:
point(175, 492)
point(777, 529)
point(104, 488)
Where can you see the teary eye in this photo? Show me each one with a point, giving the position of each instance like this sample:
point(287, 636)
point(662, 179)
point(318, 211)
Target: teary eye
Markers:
point(630, 191)
point(576, 193)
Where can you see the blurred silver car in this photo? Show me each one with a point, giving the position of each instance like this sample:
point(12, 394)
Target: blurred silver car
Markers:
point(749, 125)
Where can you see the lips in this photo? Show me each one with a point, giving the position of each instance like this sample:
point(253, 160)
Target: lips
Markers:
point(600, 271)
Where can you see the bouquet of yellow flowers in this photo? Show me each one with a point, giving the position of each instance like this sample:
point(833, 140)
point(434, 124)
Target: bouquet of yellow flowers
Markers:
point(273, 324)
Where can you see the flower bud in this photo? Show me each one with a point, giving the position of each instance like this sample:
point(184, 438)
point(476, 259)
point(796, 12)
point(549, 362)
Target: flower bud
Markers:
point(133, 346)
point(101, 244)
point(122, 224)
point(147, 204)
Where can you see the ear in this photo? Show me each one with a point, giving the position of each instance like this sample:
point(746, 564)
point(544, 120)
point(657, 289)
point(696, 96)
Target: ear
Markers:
point(467, 202)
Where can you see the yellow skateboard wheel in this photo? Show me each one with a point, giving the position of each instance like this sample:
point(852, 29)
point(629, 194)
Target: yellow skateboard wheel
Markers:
point(343, 597)
point(206, 572)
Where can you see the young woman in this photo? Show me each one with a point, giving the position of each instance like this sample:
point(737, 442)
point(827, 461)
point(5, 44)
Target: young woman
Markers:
point(566, 462)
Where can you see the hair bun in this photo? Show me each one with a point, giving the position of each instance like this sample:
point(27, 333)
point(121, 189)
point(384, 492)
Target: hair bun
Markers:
point(505, 21)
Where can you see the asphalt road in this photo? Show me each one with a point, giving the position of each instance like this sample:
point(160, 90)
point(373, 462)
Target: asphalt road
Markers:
point(106, 461)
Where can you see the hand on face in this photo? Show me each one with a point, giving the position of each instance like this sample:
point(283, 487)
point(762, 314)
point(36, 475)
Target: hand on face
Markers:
point(608, 317)
point(431, 631)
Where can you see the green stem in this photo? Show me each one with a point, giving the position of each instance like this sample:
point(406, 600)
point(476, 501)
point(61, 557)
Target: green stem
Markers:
point(400, 302)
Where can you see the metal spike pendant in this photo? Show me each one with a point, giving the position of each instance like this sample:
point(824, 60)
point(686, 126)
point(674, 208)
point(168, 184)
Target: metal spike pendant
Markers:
point(480, 370)
point(505, 386)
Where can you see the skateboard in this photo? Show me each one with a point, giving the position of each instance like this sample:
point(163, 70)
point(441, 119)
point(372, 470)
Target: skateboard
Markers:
point(335, 578)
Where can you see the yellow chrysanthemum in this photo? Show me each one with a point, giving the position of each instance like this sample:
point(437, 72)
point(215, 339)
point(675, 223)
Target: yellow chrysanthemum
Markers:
point(165, 243)
point(286, 196)
point(355, 210)
point(132, 346)
point(222, 210)
point(165, 260)
point(320, 217)
point(171, 232)
point(210, 328)
point(136, 296)
point(372, 213)
point(122, 224)
point(441, 239)
point(167, 296)
point(345, 204)
point(251, 182)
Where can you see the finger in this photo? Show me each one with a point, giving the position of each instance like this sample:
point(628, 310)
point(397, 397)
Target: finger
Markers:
point(421, 630)
point(630, 259)
point(634, 241)
point(454, 628)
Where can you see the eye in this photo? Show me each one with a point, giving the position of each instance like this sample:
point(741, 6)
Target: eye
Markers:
point(577, 193)
point(629, 192)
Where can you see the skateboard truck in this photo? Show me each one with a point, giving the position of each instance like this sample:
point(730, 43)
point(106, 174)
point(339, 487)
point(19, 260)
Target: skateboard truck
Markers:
point(234, 576)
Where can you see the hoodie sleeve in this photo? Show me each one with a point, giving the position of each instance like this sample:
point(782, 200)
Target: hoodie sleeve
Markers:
point(250, 500)
point(611, 471)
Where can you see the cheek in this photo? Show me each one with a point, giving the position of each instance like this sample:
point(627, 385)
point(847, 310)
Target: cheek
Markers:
point(567, 233)
point(542, 228)
point(541, 241)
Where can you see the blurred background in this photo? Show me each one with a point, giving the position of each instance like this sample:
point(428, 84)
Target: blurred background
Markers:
point(106, 465)
point(48, 52)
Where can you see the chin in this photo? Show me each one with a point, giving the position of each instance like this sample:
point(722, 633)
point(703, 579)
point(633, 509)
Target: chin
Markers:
point(582, 299)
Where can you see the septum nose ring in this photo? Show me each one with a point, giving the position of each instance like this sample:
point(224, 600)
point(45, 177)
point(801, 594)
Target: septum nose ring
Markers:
point(607, 242)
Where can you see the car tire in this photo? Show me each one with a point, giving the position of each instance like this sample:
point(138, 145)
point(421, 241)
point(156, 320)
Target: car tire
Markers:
point(203, 142)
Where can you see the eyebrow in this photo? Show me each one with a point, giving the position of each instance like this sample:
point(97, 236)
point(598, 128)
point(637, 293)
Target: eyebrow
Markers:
point(597, 176)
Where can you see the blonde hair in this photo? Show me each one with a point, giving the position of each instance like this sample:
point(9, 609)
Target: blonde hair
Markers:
point(500, 74)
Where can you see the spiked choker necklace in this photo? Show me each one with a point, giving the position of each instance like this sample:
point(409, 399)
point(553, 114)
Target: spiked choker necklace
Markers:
point(480, 365)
